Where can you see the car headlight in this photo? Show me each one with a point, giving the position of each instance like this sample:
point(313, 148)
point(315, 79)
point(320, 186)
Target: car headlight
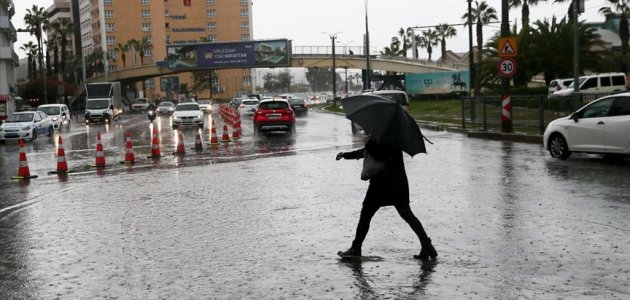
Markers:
point(55, 118)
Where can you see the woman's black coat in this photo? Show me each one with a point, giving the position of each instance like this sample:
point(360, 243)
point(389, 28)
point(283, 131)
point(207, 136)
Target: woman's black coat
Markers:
point(389, 187)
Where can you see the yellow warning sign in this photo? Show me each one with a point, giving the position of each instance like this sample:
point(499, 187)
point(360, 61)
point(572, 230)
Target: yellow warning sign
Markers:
point(507, 46)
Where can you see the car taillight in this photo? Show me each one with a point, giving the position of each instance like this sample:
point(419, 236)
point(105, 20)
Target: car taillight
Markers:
point(557, 87)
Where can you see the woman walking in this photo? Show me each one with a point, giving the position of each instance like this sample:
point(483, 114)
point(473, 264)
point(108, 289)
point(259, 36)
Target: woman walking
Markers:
point(389, 187)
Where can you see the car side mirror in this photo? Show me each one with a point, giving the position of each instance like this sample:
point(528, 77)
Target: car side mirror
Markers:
point(575, 117)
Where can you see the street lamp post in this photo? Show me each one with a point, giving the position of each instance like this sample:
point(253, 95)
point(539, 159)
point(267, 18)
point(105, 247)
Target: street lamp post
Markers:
point(334, 75)
point(367, 82)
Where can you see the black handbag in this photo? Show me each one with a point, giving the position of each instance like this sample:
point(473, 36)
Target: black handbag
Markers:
point(371, 166)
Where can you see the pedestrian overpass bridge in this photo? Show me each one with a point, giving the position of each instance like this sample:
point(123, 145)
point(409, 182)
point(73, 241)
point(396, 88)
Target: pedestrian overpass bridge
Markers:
point(395, 64)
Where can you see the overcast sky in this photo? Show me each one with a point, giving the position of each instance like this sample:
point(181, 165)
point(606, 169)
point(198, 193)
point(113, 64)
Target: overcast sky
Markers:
point(304, 21)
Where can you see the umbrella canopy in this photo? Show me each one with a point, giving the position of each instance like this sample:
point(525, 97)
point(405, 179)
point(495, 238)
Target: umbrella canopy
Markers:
point(386, 120)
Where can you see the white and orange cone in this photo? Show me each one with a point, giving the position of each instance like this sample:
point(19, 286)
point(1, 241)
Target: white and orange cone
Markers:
point(235, 131)
point(214, 140)
point(23, 170)
point(155, 145)
point(62, 165)
point(181, 149)
point(130, 157)
point(198, 145)
point(100, 154)
point(225, 137)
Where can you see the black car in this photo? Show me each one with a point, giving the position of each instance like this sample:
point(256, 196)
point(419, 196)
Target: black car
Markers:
point(299, 106)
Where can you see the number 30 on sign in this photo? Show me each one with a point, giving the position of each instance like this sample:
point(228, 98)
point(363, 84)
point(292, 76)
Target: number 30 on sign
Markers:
point(507, 67)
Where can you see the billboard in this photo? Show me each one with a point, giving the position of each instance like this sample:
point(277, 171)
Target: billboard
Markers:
point(169, 84)
point(437, 82)
point(248, 54)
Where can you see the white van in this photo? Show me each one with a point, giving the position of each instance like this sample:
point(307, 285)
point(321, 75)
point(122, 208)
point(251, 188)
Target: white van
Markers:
point(598, 84)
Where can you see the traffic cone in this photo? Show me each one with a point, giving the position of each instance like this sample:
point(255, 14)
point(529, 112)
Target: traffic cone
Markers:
point(100, 154)
point(62, 165)
point(181, 149)
point(130, 157)
point(198, 145)
point(225, 137)
point(23, 170)
point(214, 140)
point(235, 132)
point(155, 145)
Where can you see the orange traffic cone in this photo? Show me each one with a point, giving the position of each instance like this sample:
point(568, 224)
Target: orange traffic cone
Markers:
point(130, 157)
point(235, 132)
point(198, 145)
point(214, 140)
point(225, 137)
point(181, 149)
point(62, 165)
point(23, 170)
point(155, 146)
point(100, 154)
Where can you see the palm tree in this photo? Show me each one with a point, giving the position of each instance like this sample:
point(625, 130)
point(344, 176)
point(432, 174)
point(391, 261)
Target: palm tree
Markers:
point(621, 9)
point(405, 41)
point(429, 39)
point(31, 51)
point(524, 10)
point(53, 42)
point(393, 49)
point(63, 28)
point(143, 45)
point(133, 46)
point(123, 48)
point(36, 20)
point(482, 14)
point(445, 31)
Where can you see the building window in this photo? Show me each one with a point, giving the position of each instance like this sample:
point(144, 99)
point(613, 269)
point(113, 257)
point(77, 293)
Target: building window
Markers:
point(244, 13)
point(108, 2)
point(146, 26)
point(148, 53)
point(149, 84)
point(168, 39)
point(244, 25)
point(244, 2)
point(145, 14)
point(109, 14)
point(148, 38)
point(245, 37)
point(211, 13)
point(111, 68)
point(210, 2)
point(109, 27)
point(144, 2)
point(212, 38)
point(212, 26)
point(247, 80)
point(112, 54)
point(111, 40)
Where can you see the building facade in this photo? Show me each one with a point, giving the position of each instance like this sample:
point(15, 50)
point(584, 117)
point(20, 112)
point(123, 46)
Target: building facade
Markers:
point(113, 23)
point(9, 60)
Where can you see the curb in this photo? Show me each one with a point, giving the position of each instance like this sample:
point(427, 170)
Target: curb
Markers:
point(489, 135)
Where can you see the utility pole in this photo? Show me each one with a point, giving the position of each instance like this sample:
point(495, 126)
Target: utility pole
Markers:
point(367, 82)
point(506, 104)
point(472, 70)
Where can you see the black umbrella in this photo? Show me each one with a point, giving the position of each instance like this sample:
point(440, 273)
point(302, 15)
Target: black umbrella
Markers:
point(386, 120)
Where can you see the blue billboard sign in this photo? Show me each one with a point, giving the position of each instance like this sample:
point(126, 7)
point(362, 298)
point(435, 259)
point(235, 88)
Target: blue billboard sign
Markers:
point(437, 82)
point(249, 54)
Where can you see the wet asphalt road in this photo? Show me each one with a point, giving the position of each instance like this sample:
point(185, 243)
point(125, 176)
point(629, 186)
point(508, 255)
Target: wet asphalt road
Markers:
point(264, 217)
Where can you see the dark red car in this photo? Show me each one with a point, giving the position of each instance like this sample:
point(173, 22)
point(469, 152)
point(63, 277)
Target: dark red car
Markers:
point(274, 115)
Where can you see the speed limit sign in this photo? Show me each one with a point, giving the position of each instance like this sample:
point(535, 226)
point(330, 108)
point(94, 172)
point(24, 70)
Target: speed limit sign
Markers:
point(507, 67)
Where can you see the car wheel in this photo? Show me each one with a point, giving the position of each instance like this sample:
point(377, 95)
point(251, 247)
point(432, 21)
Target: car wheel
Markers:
point(558, 147)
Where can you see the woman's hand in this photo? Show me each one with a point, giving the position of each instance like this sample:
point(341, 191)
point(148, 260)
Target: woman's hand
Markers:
point(339, 156)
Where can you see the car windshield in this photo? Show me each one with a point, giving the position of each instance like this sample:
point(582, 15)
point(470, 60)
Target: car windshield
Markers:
point(250, 102)
point(296, 101)
point(187, 107)
point(28, 117)
point(203, 101)
point(273, 105)
point(166, 104)
point(50, 110)
point(97, 104)
point(140, 101)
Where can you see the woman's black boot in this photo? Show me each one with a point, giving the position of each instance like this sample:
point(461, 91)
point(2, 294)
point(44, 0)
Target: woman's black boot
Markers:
point(427, 250)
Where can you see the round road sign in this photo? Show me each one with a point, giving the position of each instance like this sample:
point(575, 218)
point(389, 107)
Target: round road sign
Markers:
point(507, 67)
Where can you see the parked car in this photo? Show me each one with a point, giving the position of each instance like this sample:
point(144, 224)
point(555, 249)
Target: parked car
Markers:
point(274, 115)
point(248, 106)
point(597, 84)
point(59, 113)
point(26, 125)
point(165, 107)
point(188, 113)
point(601, 126)
point(206, 105)
point(140, 105)
point(299, 106)
point(558, 84)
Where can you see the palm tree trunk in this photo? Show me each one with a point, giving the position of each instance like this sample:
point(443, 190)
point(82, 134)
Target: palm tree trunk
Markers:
point(624, 35)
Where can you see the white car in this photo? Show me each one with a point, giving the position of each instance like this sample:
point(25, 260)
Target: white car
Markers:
point(248, 106)
point(26, 125)
point(602, 126)
point(59, 113)
point(188, 113)
point(557, 85)
point(166, 107)
point(140, 104)
point(205, 105)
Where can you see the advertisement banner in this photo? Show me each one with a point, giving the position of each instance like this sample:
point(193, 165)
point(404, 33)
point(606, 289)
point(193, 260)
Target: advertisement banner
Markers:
point(437, 82)
point(258, 54)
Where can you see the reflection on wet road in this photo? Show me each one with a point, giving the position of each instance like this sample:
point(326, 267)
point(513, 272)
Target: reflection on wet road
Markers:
point(263, 218)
